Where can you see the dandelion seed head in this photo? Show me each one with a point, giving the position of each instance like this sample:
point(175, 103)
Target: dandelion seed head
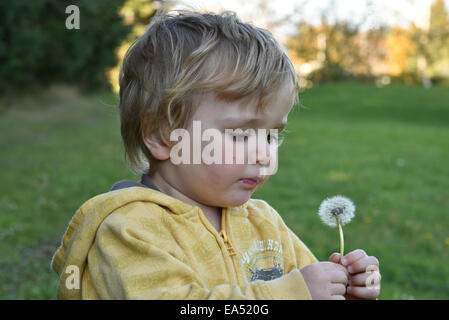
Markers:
point(334, 207)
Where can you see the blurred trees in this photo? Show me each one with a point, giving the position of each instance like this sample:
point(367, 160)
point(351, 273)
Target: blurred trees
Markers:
point(136, 14)
point(398, 45)
point(335, 51)
point(437, 46)
point(36, 48)
point(344, 50)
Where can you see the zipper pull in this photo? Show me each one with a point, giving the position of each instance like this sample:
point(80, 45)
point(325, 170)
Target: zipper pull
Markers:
point(228, 243)
point(222, 234)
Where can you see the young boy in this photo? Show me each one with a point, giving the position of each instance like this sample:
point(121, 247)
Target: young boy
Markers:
point(188, 229)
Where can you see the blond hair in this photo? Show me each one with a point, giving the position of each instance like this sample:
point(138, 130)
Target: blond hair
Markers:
point(182, 56)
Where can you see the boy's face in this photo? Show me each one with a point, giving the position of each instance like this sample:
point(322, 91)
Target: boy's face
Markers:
point(228, 183)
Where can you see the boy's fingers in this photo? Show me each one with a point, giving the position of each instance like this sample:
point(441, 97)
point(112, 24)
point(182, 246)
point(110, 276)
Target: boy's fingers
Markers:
point(360, 279)
point(342, 269)
point(353, 256)
point(362, 292)
point(362, 264)
point(334, 257)
point(339, 277)
point(335, 267)
point(338, 289)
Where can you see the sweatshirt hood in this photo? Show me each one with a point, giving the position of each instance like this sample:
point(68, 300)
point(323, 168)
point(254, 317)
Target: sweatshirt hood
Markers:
point(82, 228)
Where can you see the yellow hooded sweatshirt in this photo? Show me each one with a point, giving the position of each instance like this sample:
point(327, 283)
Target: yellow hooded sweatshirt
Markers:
point(138, 243)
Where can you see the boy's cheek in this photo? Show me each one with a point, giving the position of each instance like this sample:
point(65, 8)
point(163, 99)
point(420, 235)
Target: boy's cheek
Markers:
point(264, 180)
point(227, 171)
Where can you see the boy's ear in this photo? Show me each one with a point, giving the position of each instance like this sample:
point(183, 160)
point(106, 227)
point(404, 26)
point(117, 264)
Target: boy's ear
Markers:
point(154, 143)
point(157, 147)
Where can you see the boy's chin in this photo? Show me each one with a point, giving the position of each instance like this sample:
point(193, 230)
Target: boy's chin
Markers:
point(236, 200)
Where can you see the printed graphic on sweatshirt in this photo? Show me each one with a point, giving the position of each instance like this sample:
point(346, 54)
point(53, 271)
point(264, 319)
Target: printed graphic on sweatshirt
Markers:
point(263, 260)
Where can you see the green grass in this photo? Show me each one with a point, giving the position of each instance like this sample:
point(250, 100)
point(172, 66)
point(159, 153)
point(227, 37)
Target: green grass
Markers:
point(385, 148)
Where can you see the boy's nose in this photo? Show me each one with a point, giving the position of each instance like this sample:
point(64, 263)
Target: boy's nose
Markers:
point(260, 153)
point(263, 154)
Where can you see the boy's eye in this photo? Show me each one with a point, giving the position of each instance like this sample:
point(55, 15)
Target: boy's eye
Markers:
point(244, 135)
point(239, 138)
point(275, 139)
point(240, 135)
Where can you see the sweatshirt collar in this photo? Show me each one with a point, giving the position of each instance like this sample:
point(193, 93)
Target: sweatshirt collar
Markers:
point(175, 205)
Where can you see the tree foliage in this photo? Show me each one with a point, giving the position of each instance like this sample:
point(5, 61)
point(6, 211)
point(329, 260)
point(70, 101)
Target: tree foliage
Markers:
point(137, 14)
point(438, 40)
point(36, 48)
point(346, 51)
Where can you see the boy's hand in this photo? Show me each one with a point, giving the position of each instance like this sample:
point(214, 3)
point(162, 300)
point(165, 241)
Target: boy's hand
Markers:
point(326, 280)
point(364, 276)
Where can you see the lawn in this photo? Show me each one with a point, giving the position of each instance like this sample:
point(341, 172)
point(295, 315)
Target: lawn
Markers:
point(385, 148)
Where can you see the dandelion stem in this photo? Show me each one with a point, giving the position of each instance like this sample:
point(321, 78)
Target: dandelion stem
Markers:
point(342, 239)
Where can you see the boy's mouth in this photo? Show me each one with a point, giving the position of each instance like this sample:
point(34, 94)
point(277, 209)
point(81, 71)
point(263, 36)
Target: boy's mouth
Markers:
point(250, 182)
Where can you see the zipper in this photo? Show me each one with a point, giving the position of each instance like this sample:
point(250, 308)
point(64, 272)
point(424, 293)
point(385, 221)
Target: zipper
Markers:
point(224, 236)
point(232, 254)
point(228, 243)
